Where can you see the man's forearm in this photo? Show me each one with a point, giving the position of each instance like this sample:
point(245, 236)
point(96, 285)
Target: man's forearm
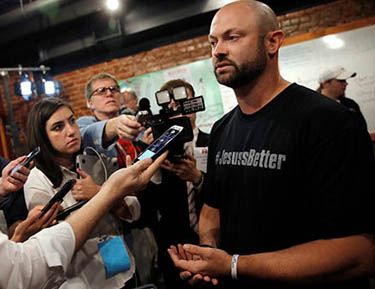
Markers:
point(109, 133)
point(85, 219)
point(209, 226)
point(318, 261)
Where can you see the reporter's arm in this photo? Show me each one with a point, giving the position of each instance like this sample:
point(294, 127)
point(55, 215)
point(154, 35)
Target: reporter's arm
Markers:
point(34, 223)
point(40, 261)
point(123, 126)
point(121, 183)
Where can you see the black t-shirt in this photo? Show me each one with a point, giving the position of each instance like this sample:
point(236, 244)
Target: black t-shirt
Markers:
point(354, 107)
point(295, 171)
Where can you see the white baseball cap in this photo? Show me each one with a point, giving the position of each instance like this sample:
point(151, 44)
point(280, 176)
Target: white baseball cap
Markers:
point(337, 72)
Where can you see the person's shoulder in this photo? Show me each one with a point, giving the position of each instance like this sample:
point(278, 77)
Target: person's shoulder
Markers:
point(348, 102)
point(37, 177)
point(311, 97)
point(322, 113)
point(86, 119)
point(202, 133)
point(220, 123)
point(203, 139)
point(312, 103)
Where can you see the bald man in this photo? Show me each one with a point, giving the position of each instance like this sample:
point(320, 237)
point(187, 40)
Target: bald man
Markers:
point(287, 201)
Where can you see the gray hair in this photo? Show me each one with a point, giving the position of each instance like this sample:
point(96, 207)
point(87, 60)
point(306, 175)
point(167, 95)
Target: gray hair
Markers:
point(131, 92)
point(88, 87)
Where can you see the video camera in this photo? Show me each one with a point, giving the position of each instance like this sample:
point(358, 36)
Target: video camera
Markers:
point(168, 117)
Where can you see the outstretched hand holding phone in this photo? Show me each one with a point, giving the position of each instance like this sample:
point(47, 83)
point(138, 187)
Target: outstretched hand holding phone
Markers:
point(161, 144)
point(11, 180)
point(26, 163)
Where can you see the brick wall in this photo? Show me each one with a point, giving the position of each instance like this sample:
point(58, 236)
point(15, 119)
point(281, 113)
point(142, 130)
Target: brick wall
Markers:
point(295, 23)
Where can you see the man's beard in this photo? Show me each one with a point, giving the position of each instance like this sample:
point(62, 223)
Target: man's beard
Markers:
point(246, 72)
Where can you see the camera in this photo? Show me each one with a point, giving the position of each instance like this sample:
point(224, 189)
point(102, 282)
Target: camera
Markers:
point(169, 116)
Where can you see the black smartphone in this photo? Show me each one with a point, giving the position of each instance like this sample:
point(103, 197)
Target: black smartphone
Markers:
point(67, 211)
point(161, 143)
point(59, 195)
point(28, 159)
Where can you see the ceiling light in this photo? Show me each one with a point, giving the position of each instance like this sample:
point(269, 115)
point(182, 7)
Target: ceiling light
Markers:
point(49, 87)
point(26, 87)
point(333, 42)
point(112, 4)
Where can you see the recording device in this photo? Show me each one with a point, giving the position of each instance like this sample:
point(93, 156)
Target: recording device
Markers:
point(161, 144)
point(59, 195)
point(28, 159)
point(144, 105)
point(142, 116)
point(67, 211)
point(168, 117)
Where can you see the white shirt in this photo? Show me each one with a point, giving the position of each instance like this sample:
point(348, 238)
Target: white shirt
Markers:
point(40, 262)
point(87, 268)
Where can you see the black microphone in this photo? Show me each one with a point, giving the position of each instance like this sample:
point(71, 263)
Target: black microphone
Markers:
point(59, 195)
point(144, 104)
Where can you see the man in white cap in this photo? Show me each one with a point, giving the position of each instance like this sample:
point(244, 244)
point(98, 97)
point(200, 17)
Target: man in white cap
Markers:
point(333, 82)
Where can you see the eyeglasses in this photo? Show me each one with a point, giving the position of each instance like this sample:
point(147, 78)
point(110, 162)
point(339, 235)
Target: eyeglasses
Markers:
point(103, 90)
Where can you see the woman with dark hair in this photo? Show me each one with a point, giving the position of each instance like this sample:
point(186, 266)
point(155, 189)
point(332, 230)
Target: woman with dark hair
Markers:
point(52, 126)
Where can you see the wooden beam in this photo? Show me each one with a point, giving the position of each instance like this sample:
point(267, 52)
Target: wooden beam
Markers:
point(329, 30)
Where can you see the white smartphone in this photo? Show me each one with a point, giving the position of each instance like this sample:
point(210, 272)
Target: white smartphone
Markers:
point(161, 144)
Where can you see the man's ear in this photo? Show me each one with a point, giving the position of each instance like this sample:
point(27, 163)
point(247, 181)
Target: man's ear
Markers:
point(273, 41)
point(89, 103)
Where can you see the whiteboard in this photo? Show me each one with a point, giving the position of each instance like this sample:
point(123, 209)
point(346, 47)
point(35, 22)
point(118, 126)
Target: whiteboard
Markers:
point(303, 62)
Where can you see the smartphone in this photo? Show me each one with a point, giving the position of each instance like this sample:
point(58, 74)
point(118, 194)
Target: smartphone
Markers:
point(161, 144)
point(92, 166)
point(86, 162)
point(58, 196)
point(28, 159)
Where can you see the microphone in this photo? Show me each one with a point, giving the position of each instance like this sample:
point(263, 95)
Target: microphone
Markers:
point(144, 104)
point(58, 196)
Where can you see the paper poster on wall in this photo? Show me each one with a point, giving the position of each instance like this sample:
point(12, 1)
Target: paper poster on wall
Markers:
point(228, 98)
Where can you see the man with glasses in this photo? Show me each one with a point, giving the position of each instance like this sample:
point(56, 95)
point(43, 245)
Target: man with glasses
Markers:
point(102, 130)
point(333, 83)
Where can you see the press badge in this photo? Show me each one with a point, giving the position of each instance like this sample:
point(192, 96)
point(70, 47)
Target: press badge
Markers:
point(115, 256)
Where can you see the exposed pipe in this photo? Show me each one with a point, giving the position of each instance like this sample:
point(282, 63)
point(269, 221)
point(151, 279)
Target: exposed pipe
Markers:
point(29, 10)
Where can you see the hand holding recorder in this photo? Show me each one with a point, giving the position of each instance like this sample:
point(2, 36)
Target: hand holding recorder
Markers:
point(59, 195)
